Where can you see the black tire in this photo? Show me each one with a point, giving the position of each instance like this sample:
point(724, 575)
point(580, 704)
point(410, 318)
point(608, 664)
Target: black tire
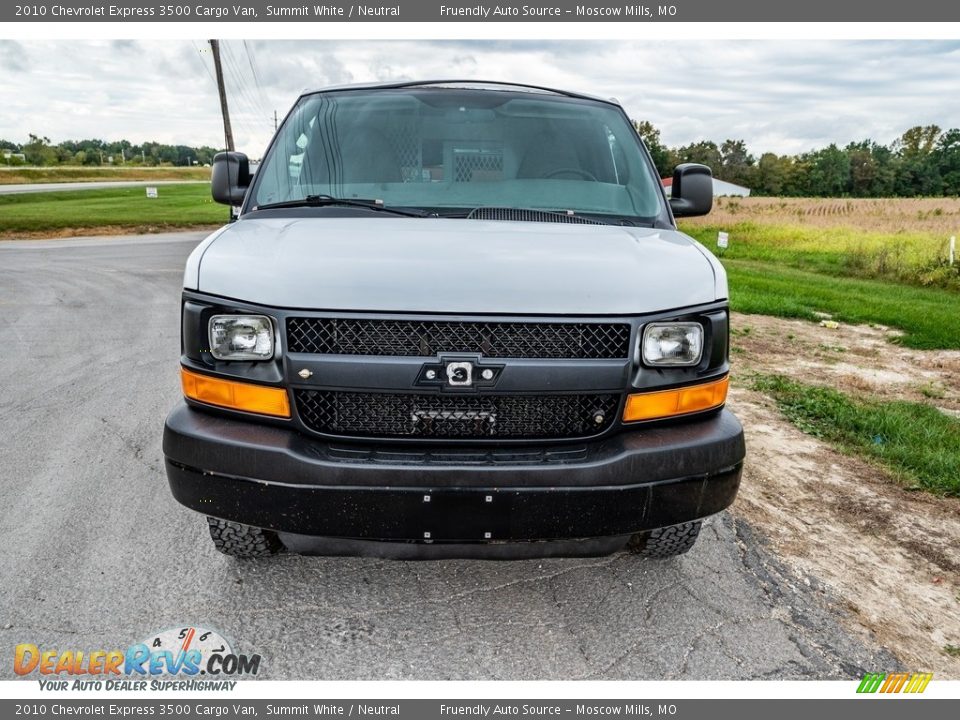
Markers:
point(665, 542)
point(243, 541)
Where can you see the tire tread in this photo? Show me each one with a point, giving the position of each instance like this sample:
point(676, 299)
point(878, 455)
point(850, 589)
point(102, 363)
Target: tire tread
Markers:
point(666, 542)
point(242, 541)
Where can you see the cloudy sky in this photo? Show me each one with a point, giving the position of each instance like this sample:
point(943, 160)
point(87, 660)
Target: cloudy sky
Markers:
point(779, 96)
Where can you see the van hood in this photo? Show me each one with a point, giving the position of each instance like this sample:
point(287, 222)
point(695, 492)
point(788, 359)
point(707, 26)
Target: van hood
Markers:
point(438, 265)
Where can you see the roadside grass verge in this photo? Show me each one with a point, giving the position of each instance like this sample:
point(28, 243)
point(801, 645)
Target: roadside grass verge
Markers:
point(918, 443)
point(902, 239)
point(176, 206)
point(78, 173)
point(929, 317)
point(908, 256)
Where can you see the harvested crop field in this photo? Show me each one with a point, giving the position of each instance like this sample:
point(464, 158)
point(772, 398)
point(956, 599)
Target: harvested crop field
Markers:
point(882, 215)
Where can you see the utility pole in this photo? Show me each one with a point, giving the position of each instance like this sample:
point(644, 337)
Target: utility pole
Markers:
point(227, 131)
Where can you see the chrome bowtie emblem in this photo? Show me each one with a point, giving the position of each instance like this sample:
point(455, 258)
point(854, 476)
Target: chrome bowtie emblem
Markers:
point(460, 374)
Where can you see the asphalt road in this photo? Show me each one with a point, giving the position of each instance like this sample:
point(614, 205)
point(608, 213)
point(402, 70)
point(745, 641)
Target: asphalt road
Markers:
point(95, 553)
point(97, 185)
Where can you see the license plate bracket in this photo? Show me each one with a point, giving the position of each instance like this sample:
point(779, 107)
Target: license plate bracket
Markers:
point(465, 516)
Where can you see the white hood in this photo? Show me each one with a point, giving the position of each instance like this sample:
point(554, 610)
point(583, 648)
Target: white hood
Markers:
point(455, 266)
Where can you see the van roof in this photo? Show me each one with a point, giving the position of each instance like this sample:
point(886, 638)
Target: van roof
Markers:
point(492, 85)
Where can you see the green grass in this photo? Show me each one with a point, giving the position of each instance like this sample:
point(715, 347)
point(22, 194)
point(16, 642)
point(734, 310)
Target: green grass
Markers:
point(920, 444)
point(176, 206)
point(910, 257)
point(929, 317)
point(76, 173)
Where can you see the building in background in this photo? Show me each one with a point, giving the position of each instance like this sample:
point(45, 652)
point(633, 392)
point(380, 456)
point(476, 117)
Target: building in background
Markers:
point(721, 188)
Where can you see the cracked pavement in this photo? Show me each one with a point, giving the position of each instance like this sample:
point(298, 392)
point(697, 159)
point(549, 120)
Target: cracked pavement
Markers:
point(95, 553)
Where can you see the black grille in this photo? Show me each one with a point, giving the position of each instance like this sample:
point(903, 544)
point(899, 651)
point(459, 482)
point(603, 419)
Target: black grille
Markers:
point(426, 338)
point(455, 416)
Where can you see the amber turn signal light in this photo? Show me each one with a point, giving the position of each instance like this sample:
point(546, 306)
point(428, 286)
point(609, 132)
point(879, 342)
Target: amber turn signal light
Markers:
point(681, 401)
point(235, 395)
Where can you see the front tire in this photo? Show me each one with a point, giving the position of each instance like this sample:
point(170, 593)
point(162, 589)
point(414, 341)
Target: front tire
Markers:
point(243, 541)
point(665, 542)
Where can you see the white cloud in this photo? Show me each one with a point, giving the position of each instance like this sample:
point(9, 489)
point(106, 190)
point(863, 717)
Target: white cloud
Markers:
point(779, 96)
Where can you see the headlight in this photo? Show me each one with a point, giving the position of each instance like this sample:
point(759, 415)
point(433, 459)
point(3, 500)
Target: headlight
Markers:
point(241, 337)
point(677, 344)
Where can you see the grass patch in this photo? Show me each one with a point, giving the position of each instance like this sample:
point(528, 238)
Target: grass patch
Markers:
point(901, 239)
point(177, 206)
point(918, 443)
point(881, 261)
point(911, 257)
point(928, 316)
point(27, 175)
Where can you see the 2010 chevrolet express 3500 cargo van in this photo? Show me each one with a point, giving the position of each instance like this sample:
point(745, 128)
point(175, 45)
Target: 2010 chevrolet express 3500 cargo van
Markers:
point(454, 319)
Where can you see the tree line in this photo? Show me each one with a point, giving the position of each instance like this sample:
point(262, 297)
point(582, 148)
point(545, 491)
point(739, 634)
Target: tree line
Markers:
point(924, 161)
point(39, 150)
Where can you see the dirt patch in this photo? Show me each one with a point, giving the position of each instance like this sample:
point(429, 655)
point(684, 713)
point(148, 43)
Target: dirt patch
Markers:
point(858, 358)
point(891, 554)
point(101, 230)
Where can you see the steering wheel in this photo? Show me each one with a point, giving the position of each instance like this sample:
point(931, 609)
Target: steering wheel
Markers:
point(575, 171)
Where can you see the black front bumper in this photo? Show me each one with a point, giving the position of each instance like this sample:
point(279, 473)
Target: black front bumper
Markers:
point(281, 480)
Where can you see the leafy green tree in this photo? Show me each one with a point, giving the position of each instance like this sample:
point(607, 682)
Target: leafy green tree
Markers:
point(829, 173)
point(658, 152)
point(864, 168)
point(773, 175)
point(918, 141)
point(918, 172)
point(38, 151)
point(704, 152)
point(736, 163)
point(947, 157)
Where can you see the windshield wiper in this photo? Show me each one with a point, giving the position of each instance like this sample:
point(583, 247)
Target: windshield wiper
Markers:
point(329, 200)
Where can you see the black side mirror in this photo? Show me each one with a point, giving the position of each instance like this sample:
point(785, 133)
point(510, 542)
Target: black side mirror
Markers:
point(692, 190)
point(230, 177)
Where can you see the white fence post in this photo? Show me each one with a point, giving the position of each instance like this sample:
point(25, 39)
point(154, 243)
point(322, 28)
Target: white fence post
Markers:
point(953, 248)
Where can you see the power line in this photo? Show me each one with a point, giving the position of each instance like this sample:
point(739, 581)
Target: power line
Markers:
point(256, 75)
point(251, 119)
point(241, 93)
point(202, 61)
point(257, 108)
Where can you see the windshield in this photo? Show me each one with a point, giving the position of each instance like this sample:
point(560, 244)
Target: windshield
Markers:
point(448, 150)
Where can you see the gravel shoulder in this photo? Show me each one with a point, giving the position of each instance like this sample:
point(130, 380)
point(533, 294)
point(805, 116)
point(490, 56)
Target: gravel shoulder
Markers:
point(891, 555)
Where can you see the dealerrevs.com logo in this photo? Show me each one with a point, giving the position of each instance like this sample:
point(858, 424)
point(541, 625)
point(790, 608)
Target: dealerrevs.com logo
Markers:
point(894, 682)
point(184, 658)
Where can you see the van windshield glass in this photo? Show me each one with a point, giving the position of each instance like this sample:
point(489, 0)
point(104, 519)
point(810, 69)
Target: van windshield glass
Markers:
point(448, 150)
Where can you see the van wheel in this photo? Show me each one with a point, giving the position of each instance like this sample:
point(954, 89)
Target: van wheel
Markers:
point(243, 541)
point(665, 542)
